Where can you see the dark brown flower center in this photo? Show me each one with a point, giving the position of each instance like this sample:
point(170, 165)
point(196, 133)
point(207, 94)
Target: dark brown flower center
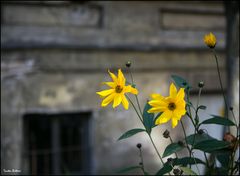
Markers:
point(171, 106)
point(118, 89)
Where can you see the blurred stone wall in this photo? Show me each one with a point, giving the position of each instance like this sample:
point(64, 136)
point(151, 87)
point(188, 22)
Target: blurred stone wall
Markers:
point(56, 54)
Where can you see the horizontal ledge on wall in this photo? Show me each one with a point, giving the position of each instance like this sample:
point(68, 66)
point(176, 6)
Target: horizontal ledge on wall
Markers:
point(123, 47)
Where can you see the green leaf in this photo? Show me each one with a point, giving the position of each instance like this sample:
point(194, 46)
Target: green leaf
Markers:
point(219, 121)
point(131, 133)
point(211, 145)
point(187, 171)
point(148, 118)
point(128, 169)
point(171, 148)
point(165, 169)
point(193, 139)
point(180, 82)
point(187, 160)
point(223, 156)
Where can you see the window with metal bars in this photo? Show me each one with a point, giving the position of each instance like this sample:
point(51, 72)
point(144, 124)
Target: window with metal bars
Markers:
point(58, 143)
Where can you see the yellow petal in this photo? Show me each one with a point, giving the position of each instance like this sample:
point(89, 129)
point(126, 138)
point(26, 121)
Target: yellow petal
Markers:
point(174, 122)
point(180, 94)
point(121, 78)
point(158, 103)
point(130, 89)
point(156, 109)
point(125, 102)
point(117, 100)
point(178, 113)
point(113, 76)
point(110, 84)
point(172, 91)
point(108, 100)
point(157, 96)
point(164, 117)
point(105, 92)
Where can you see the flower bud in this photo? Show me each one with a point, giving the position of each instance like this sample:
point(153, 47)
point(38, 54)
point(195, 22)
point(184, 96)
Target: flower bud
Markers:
point(231, 139)
point(231, 108)
point(180, 143)
point(201, 84)
point(200, 131)
point(128, 64)
point(170, 160)
point(166, 134)
point(177, 171)
point(139, 145)
point(210, 40)
point(140, 163)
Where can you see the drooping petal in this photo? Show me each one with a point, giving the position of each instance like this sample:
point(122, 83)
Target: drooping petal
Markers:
point(130, 89)
point(125, 102)
point(113, 76)
point(180, 94)
point(105, 92)
point(158, 103)
point(110, 84)
point(108, 100)
point(174, 122)
point(117, 100)
point(172, 91)
point(156, 109)
point(164, 117)
point(157, 96)
point(121, 78)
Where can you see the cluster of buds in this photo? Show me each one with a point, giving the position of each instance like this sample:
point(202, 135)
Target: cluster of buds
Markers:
point(177, 171)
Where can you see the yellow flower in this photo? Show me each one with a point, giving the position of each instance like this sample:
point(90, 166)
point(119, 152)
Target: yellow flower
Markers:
point(210, 40)
point(116, 91)
point(172, 107)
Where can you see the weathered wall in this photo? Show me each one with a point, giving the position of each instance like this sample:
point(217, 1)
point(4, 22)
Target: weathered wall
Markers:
point(56, 54)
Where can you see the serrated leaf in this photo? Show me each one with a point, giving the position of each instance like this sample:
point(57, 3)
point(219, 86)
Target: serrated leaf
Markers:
point(148, 118)
point(165, 169)
point(187, 171)
point(128, 169)
point(196, 138)
point(219, 121)
point(180, 82)
point(211, 145)
point(171, 148)
point(131, 133)
point(187, 160)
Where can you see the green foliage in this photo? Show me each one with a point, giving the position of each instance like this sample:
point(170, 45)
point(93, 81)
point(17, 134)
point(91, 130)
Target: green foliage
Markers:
point(148, 119)
point(223, 156)
point(219, 121)
point(211, 145)
point(172, 148)
point(131, 133)
point(180, 82)
point(165, 169)
point(187, 171)
point(193, 139)
point(187, 160)
point(128, 169)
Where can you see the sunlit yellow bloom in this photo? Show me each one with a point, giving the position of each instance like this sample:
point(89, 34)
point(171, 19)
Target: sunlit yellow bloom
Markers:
point(172, 107)
point(210, 40)
point(117, 91)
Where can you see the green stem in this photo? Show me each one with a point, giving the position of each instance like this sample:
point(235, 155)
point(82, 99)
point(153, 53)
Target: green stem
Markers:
point(135, 109)
point(220, 81)
point(171, 143)
point(185, 136)
point(206, 159)
point(156, 149)
point(140, 153)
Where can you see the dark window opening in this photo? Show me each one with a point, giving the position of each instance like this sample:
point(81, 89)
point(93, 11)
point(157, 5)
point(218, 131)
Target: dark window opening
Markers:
point(58, 143)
